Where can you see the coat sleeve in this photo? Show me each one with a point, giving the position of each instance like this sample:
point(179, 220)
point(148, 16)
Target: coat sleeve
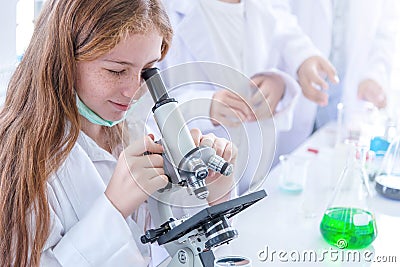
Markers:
point(283, 118)
point(294, 45)
point(101, 238)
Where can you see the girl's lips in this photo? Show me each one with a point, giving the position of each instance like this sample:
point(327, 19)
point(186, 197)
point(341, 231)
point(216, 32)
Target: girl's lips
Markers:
point(120, 107)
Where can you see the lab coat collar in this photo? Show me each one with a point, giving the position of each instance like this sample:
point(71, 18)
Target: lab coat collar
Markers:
point(184, 7)
point(93, 150)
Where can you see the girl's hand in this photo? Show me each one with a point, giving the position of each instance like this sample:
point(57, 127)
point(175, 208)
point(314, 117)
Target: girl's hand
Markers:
point(136, 176)
point(219, 186)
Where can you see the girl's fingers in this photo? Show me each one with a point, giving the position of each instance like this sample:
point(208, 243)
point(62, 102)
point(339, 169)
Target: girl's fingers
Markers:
point(219, 146)
point(159, 181)
point(196, 135)
point(207, 140)
point(230, 152)
point(143, 176)
point(146, 144)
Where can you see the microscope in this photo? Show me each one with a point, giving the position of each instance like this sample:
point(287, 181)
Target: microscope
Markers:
point(189, 241)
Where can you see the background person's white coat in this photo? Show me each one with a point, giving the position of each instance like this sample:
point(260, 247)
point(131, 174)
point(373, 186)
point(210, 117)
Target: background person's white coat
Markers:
point(264, 35)
point(370, 46)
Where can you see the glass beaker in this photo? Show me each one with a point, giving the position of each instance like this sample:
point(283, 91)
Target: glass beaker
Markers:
point(358, 123)
point(388, 177)
point(294, 173)
point(348, 222)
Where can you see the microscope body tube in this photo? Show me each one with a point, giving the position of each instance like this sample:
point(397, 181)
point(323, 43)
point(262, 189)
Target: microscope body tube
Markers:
point(155, 84)
point(176, 135)
point(191, 162)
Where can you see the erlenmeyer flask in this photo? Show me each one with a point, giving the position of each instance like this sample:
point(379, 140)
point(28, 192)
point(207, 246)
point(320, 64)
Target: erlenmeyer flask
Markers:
point(348, 222)
point(388, 177)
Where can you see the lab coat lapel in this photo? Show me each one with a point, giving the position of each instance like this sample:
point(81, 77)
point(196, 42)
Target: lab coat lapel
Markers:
point(256, 48)
point(357, 31)
point(356, 36)
point(249, 57)
point(82, 190)
point(197, 42)
point(326, 11)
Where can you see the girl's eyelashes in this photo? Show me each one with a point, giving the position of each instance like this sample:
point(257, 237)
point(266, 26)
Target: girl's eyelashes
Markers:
point(116, 72)
point(120, 72)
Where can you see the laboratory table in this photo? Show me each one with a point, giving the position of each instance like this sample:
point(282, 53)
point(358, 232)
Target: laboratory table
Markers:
point(283, 228)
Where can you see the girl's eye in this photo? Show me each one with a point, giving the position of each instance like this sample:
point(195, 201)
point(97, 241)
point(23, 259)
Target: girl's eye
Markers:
point(118, 73)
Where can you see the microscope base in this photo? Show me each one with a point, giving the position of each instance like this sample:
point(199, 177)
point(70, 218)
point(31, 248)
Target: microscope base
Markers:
point(185, 258)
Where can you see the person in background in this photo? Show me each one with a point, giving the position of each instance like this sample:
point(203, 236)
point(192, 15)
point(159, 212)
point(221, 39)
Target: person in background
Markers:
point(72, 190)
point(358, 37)
point(247, 37)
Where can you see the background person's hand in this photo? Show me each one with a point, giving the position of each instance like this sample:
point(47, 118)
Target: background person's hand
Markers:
point(270, 90)
point(136, 176)
point(219, 186)
point(371, 91)
point(229, 109)
point(311, 74)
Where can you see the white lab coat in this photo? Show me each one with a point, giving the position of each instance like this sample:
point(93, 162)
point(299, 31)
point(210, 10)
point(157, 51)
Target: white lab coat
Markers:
point(369, 45)
point(264, 34)
point(86, 229)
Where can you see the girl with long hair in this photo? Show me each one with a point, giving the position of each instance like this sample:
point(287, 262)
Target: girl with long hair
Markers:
point(70, 194)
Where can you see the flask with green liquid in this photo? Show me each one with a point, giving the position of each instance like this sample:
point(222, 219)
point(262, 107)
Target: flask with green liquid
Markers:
point(348, 222)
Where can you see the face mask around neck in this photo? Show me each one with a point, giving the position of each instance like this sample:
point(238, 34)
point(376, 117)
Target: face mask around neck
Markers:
point(91, 116)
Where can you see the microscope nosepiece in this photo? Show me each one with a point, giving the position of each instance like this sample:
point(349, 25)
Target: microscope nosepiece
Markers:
point(201, 193)
point(201, 173)
point(198, 186)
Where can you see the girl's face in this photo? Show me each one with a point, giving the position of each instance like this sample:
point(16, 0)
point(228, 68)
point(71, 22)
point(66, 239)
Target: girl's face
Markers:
point(109, 83)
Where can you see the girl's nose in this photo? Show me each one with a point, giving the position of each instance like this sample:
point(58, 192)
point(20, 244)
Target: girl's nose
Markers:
point(134, 86)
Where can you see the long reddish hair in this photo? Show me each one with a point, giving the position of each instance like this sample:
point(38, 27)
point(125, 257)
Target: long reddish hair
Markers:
point(39, 123)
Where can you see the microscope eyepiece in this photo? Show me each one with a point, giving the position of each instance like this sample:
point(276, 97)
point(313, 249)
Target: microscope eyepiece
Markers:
point(155, 84)
point(148, 73)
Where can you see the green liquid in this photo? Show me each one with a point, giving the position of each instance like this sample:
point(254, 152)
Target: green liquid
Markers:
point(348, 227)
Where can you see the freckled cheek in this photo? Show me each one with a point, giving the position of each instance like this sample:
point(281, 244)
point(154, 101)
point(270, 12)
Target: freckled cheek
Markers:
point(101, 86)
